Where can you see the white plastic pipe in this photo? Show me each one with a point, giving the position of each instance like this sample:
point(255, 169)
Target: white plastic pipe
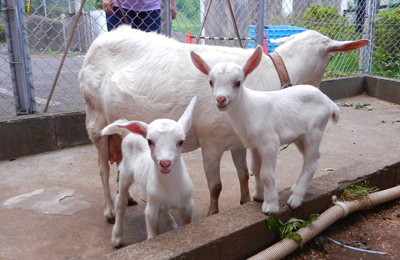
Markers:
point(330, 216)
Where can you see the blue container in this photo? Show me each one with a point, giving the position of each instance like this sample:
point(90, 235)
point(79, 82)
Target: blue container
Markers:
point(274, 32)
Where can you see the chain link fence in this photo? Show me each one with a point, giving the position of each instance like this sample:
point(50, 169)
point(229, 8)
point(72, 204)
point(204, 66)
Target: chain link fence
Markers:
point(34, 35)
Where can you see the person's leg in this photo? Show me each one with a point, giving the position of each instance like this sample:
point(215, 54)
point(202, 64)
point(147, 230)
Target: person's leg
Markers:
point(149, 21)
point(116, 19)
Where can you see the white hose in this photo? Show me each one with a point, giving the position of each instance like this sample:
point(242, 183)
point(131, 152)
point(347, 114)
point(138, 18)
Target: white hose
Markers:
point(330, 216)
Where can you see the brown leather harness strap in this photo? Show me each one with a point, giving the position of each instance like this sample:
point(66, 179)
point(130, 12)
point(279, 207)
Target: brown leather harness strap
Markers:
point(281, 69)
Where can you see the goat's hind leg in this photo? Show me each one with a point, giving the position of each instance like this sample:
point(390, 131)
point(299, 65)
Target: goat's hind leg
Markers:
point(310, 164)
point(239, 159)
point(258, 194)
point(95, 122)
point(102, 148)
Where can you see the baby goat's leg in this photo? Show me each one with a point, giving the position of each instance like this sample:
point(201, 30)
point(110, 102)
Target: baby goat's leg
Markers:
point(300, 146)
point(271, 199)
point(152, 213)
point(121, 202)
point(185, 213)
point(258, 194)
point(131, 199)
point(239, 159)
point(168, 219)
point(310, 164)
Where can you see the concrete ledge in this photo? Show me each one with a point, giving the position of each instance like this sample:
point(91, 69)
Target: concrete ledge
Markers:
point(383, 88)
point(27, 135)
point(241, 232)
point(344, 87)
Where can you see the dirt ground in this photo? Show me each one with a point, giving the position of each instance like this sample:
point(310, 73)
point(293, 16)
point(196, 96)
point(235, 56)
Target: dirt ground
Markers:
point(372, 229)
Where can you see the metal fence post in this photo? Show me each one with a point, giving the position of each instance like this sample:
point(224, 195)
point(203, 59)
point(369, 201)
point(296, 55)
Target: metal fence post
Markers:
point(367, 57)
point(18, 52)
point(166, 17)
point(259, 27)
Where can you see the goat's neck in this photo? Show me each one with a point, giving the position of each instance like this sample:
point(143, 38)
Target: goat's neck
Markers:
point(246, 106)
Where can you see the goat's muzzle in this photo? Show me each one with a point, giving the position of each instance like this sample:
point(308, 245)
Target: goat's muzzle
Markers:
point(165, 166)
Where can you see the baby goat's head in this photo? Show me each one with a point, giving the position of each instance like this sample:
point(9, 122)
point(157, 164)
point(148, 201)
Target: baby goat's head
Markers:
point(164, 136)
point(226, 78)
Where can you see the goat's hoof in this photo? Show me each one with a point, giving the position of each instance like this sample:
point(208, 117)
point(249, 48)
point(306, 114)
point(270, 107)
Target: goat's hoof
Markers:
point(110, 216)
point(116, 243)
point(258, 198)
point(295, 201)
point(270, 207)
point(212, 212)
point(244, 201)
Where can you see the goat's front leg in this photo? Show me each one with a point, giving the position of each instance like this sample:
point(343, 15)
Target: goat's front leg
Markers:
point(271, 198)
point(211, 162)
point(258, 194)
point(121, 203)
point(310, 164)
point(152, 213)
point(239, 159)
point(186, 212)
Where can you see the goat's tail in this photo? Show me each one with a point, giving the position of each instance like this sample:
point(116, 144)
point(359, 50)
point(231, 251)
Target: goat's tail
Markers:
point(335, 113)
point(112, 128)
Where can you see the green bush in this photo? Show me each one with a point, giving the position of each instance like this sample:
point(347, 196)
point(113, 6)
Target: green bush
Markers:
point(2, 33)
point(328, 21)
point(386, 57)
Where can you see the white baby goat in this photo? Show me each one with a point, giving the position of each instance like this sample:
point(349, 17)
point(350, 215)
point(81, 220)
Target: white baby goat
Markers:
point(156, 168)
point(266, 120)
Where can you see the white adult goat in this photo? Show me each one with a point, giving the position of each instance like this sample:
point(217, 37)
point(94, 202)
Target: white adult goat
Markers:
point(265, 120)
point(156, 169)
point(143, 76)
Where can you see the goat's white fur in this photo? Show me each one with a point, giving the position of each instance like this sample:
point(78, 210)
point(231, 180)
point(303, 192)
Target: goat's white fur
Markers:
point(156, 169)
point(265, 120)
point(143, 76)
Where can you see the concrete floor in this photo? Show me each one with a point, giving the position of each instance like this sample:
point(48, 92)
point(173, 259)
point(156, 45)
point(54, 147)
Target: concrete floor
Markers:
point(60, 215)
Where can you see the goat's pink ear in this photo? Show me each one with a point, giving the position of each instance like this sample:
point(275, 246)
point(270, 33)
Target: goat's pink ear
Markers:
point(135, 127)
point(200, 63)
point(186, 119)
point(342, 46)
point(253, 61)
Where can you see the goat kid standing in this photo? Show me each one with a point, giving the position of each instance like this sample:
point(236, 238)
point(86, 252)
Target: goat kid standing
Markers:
point(265, 120)
point(156, 169)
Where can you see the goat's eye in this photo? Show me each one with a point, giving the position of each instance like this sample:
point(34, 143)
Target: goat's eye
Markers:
point(150, 142)
point(211, 84)
point(180, 143)
point(237, 84)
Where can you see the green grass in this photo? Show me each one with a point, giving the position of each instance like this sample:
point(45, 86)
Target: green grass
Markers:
point(184, 24)
point(358, 192)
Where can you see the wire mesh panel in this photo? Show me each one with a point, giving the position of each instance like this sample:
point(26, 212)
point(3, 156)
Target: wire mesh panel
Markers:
point(48, 26)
